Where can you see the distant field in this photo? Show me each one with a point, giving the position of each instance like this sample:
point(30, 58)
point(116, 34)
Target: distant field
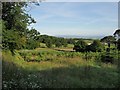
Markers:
point(64, 49)
point(88, 41)
point(42, 45)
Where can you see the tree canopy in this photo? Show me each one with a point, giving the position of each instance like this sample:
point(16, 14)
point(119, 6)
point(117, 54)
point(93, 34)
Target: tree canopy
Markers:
point(80, 46)
point(118, 44)
point(96, 46)
point(117, 34)
point(108, 39)
point(15, 23)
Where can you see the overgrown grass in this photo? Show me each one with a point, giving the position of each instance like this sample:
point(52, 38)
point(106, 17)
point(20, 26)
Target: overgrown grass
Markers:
point(57, 69)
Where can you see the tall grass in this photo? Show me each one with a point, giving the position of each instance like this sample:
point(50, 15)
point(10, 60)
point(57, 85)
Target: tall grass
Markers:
point(57, 69)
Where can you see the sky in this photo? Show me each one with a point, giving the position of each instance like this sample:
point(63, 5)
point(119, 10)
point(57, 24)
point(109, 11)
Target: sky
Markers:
point(75, 18)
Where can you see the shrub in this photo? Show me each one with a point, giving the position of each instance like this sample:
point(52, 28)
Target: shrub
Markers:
point(96, 46)
point(80, 46)
point(58, 44)
point(49, 44)
point(107, 59)
point(32, 44)
point(118, 44)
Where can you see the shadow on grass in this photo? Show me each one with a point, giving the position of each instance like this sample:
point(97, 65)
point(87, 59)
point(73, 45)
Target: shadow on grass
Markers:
point(63, 77)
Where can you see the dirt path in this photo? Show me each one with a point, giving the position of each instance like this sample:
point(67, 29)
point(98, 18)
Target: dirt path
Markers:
point(65, 49)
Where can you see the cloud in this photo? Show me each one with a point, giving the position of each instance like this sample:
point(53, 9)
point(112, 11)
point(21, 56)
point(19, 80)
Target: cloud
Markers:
point(76, 18)
point(76, 11)
point(59, 9)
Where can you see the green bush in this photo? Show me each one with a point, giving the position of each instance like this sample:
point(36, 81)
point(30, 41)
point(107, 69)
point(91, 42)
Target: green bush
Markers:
point(32, 44)
point(96, 46)
point(80, 46)
point(118, 44)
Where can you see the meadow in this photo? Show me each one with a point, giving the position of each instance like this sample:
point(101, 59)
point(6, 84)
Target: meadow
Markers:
point(33, 60)
point(57, 68)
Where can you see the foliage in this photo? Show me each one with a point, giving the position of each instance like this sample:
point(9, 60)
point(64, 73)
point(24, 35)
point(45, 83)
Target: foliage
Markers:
point(118, 44)
point(51, 40)
point(32, 44)
point(108, 39)
point(80, 46)
point(58, 44)
point(15, 22)
point(48, 43)
point(33, 34)
point(63, 42)
point(117, 34)
point(70, 41)
point(63, 72)
point(96, 46)
point(12, 40)
point(32, 39)
point(48, 68)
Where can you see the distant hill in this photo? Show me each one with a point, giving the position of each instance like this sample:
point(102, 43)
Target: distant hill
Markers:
point(79, 36)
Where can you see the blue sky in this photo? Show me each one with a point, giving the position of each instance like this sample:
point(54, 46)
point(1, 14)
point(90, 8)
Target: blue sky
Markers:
point(75, 18)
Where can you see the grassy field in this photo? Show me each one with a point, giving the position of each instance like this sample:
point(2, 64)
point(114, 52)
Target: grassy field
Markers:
point(0, 69)
point(50, 68)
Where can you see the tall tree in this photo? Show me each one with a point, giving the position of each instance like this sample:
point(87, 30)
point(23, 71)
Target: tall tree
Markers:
point(33, 34)
point(108, 40)
point(80, 46)
point(96, 46)
point(118, 44)
point(15, 22)
point(117, 35)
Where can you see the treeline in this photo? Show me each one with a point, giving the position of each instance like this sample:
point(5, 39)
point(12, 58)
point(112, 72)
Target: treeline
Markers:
point(17, 35)
point(82, 46)
point(52, 41)
point(99, 45)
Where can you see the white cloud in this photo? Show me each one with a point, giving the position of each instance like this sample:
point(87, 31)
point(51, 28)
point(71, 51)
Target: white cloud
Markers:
point(62, 10)
point(76, 20)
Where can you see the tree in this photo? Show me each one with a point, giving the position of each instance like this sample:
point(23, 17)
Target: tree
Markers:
point(118, 44)
point(32, 44)
point(33, 34)
point(117, 34)
point(108, 40)
point(96, 46)
point(15, 22)
point(70, 41)
point(63, 41)
point(48, 42)
point(58, 44)
point(80, 46)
